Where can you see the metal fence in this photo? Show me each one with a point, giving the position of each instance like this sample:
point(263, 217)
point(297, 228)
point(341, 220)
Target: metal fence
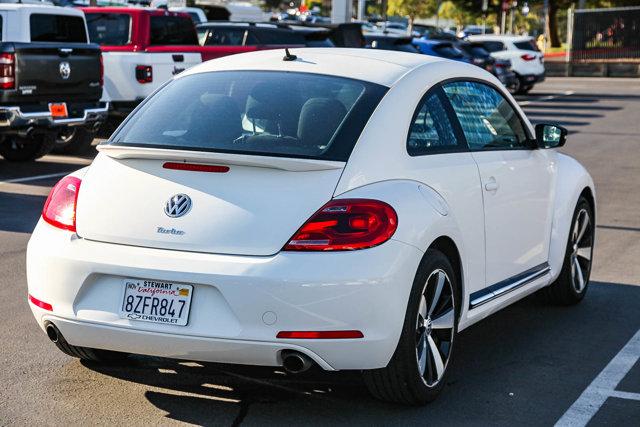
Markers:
point(605, 34)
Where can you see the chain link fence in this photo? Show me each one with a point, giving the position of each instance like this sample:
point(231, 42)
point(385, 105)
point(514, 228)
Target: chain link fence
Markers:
point(606, 34)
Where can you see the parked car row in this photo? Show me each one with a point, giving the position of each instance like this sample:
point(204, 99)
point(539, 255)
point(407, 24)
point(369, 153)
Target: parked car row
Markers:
point(106, 60)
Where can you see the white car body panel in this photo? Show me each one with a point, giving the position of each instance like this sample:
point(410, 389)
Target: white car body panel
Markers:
point(246, 289)
point(120, 84)
point(514, 54)
point(257, 220)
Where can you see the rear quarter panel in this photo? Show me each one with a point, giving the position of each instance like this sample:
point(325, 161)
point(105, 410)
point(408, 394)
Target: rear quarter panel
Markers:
point(572, 179)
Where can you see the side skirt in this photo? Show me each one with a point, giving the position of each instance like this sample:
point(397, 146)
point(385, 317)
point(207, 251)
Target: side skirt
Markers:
point(499, 289)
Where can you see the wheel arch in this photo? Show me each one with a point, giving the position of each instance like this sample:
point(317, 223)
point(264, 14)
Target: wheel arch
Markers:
point(448, 247)
point(572, 182)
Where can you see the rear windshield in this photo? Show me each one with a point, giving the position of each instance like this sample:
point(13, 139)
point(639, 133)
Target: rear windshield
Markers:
point(255, 112)
point(448, 51)
point(527, 45)
point(172, 30)
point(109, 29)
point(278, 36)
point(224, 37)
point(57, 28)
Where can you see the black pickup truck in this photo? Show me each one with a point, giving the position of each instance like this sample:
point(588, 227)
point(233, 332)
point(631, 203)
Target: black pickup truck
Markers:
point(49, 96)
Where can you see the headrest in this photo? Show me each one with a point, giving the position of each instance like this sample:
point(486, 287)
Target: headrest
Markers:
point(319, 120)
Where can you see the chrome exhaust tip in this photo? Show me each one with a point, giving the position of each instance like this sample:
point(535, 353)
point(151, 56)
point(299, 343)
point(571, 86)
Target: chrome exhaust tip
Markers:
point(295, 362)
point(53, 333)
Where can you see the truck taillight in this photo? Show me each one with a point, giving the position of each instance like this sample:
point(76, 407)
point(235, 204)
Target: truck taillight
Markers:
point(60, 207)
point(101, 70)
point(7, 71)
point(144, 73)
point(346, 224)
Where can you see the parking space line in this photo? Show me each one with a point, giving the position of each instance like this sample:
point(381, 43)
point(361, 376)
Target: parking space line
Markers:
point(603, 386)
point(547, 98)
point(625, 395)
point(34, 178)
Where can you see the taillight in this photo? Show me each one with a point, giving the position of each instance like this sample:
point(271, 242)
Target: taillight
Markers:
point(144, 73)
point(101, 70)
point(60, 207)
point(7, 71)
point(346, 224)
point(528, 57)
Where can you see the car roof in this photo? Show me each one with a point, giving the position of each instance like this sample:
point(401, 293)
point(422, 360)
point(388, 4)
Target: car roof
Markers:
point(498, 37)
point(377, 66)
point(131, 10)
point(44, 8)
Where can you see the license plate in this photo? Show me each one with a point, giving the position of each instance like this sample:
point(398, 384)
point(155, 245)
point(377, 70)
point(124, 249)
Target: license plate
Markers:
point(156, 301)
point(58, 110)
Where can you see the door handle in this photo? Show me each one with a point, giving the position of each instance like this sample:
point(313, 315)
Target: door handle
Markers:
point(491, 185)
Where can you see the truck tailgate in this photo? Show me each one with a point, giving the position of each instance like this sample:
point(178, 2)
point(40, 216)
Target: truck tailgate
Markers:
point(54, 72)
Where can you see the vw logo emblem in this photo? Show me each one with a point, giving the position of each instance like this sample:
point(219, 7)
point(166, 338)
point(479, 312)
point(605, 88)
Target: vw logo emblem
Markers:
point(177, 205)
point(65, 70)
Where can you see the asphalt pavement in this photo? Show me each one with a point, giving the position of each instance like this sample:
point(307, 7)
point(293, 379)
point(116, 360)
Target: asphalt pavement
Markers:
point(530, 364)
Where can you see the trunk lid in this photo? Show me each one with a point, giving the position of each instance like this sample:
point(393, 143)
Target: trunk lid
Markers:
point(41, 69)
point(253, 209)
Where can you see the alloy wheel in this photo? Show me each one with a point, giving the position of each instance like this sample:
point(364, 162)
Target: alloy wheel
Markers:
point(435, 325)
point(582, 250)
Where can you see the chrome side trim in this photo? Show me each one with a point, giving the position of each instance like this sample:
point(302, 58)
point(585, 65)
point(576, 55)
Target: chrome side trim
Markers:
point(499, 289)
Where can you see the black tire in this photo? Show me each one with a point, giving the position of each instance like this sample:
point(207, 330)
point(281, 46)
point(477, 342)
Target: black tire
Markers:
point(89, 354)
point(24, 149)
point(73, 140)
point(402, 381)
point(571, 286)
point(521, 87)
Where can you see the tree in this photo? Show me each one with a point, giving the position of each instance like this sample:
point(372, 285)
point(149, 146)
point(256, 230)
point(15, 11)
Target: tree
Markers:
point(413, 9)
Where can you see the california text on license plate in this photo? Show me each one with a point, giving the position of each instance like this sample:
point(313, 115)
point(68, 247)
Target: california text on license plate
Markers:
point(156, 301)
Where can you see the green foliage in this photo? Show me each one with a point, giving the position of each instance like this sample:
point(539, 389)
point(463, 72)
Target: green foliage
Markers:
point(413, 8)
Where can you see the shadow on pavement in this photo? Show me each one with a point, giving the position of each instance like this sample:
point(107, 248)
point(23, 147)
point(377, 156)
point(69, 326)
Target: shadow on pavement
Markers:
point(525, 365)
point(20, 212)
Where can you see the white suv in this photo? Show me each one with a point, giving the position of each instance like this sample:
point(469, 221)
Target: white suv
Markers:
point(526, 59)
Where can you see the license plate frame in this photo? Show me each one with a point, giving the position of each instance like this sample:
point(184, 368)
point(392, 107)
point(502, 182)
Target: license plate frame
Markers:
point(58, 110)
point(142, 301)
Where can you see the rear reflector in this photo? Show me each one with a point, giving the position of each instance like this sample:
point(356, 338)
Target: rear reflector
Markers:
point(40, 304)
point(315, 335)
point(193, 167)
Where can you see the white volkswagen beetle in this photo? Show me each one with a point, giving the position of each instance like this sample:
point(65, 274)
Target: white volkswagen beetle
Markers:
point(353, 209)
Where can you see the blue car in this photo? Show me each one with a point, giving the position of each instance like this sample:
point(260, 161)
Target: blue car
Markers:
point(441, 48)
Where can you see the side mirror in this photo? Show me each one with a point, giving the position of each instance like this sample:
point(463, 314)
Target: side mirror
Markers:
point(550, 136)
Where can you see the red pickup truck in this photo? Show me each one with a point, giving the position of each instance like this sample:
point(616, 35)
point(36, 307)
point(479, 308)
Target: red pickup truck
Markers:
point(143, 48)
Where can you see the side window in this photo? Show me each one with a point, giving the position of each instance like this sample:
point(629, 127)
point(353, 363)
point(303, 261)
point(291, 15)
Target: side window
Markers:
point(487, 119)
point(493, 46)
point(431, 131)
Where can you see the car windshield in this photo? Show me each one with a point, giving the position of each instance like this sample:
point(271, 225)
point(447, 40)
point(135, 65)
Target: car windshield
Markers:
point(255, 112)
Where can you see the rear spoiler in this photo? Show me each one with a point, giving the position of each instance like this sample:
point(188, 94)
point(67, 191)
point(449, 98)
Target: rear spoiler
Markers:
point(283, 163)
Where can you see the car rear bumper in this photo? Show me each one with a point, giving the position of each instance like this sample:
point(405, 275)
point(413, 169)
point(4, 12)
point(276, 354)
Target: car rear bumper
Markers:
point(239, 303)
point(530, 79)
point(16, 117)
